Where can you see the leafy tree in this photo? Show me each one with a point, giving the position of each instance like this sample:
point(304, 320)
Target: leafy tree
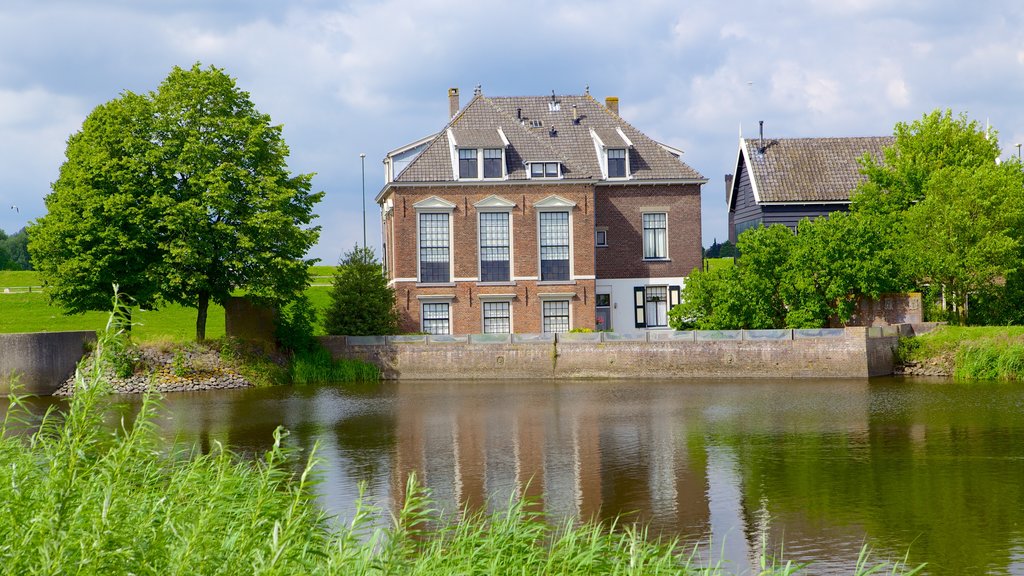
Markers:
point(921, 148)
point(362, 303)
point(967, 230)
point(5, 258)
point(181, 195)
point(101, 224)
point(16, 247)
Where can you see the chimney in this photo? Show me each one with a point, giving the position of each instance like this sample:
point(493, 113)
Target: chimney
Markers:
point(612, 103)
point(453, 102)
point(575, 115)
point(760, 144)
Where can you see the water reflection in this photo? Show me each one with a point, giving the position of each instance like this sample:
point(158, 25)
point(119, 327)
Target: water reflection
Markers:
point(930, 467)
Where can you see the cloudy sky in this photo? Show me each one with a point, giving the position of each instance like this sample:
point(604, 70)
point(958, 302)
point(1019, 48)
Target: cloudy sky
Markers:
point(351, 77)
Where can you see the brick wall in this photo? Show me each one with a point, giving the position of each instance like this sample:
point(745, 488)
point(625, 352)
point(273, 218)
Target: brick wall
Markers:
point(466, 317)
point(849, 354)
point(620, 209)
point(888, 310)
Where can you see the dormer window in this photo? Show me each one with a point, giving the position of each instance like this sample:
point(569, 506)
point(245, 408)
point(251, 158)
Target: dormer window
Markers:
point(492, 162)
point(545, 170)
point(467, 163)
point(616, 162)
point(478, 154)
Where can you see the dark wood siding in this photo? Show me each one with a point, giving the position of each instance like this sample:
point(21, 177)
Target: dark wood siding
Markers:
point(744, 209)
point(792, 214)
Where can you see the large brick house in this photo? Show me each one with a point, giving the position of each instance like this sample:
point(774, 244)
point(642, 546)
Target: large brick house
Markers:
point(784, 180)
point(538, 214)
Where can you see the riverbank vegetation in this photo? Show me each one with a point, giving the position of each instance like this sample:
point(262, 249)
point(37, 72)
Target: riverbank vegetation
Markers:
point(969, 352)
point(80, 496)
point(938, 214)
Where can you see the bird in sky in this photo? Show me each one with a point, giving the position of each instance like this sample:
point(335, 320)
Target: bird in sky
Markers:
point(15, 208)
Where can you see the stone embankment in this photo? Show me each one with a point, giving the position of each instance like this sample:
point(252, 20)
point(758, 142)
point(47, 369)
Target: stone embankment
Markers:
point(178, 370)
point(931, 367)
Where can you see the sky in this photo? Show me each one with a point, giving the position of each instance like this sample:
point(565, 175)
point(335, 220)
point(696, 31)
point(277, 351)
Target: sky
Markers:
point(345, 78)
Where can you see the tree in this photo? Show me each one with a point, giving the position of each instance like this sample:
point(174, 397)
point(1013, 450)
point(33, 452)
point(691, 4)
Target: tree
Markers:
point(5, 258)
point(181, 195)
point(951, 211)
point(16, 247)
point(101, 224)
point(967, 230)
point(362, 303)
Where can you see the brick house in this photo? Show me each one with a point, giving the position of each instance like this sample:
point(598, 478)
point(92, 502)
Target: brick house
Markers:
point(537, 214)
point(784, 180)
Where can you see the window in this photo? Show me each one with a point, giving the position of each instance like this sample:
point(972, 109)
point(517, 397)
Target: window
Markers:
point(435, 318)
point(494, 247)
point(545, 170)
point(492, 163)
point(655, 235)
point(656, 315)
point(556, 315)
point(497, 319)
point(601, 237)
point(617, 163)
point(434, 248)
point(652, 303)
point(603, 316)
point(554, 246)
point(467, 163)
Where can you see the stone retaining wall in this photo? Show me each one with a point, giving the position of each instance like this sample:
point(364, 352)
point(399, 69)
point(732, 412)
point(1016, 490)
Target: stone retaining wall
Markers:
point(39, 362)
point(826, 353)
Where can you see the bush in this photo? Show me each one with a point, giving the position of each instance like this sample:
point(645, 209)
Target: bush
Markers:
point(295, 325)
point(316, 366)
point(362, 303)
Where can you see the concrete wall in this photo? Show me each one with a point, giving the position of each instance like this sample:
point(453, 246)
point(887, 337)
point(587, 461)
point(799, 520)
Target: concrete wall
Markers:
point(40, 362)
point(829, 353)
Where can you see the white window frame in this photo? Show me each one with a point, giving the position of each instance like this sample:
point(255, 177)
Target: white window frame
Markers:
point(480, 152)
point(608, 167)
point(529, 170)
point(426, 301)
point(502, 299)
point(556, 204)
point(643, 236)
point(497, 204)
point(435, 205)
point(567, 298)
point(648, 304)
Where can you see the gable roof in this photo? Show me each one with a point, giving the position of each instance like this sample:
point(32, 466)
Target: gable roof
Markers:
point(538, 131)
point(805, 170)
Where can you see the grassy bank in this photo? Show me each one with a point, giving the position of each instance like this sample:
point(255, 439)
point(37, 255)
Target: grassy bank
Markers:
point(31, 312)
point(970, 352)
point(78, 497)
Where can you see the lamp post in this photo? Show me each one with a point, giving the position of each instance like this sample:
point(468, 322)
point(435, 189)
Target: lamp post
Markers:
point(1018, 151)
point(362, 170)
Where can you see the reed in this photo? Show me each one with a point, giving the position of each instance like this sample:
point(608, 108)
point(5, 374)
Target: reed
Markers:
point(316, 366)
point(993, 360)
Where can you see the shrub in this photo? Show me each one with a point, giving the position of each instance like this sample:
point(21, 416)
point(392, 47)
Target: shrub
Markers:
point(362, 303)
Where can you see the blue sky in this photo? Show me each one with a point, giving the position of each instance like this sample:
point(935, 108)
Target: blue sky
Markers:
point(351, 77)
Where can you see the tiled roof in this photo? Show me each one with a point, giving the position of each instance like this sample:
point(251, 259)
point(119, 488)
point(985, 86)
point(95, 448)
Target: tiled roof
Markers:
point(538, 131)
point(809, 169)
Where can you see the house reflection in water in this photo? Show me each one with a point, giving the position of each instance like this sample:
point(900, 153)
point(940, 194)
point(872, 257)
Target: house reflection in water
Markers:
point(585, 454)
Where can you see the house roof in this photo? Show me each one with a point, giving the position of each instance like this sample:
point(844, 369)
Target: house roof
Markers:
point(811, 170)
point(538, 130)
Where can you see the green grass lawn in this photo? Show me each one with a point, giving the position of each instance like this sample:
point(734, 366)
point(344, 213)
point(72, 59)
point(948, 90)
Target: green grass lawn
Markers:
point(716, 263)
point(31, 312)
point(949, 338)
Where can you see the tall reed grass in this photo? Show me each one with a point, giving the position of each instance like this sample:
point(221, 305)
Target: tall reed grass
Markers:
point(316, 366)
point(992, 360)
point(80, 497)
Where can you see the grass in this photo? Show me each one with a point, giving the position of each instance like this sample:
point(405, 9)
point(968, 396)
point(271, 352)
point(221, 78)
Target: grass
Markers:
point(79, 497)
point(317, 367)
point(31, 312)
point(716, 263)
point(973, 352)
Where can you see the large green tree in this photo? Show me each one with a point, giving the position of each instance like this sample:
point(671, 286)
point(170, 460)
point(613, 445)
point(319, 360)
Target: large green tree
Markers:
point(362, 303)
point(181, 195)
point(16, 247)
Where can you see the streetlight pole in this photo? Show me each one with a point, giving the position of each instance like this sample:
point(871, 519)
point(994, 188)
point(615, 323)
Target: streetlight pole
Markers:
point(362, 170)
point(1018, 151)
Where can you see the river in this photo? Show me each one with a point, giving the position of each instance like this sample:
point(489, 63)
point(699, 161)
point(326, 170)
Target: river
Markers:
point(926, 467)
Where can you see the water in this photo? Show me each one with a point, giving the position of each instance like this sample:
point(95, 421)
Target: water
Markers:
point(930, 467)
